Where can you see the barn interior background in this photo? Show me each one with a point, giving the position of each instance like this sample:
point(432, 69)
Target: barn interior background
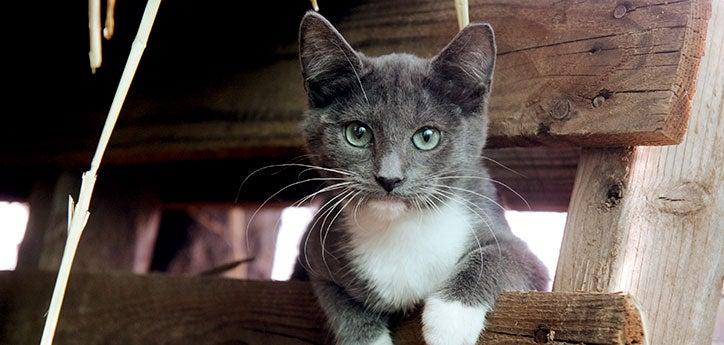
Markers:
point(219, 95)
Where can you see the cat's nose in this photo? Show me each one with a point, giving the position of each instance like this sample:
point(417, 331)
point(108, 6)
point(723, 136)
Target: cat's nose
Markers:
point(388, 183)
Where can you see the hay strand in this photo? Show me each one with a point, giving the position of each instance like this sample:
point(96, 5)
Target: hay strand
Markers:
point(110, 27)
point(94, 29)
point(78, 213)
point(462, 11)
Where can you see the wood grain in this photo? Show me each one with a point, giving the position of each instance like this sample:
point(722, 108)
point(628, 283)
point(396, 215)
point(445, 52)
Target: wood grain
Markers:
point(659, 235)
point(590, 251)
point(587, 73)
point(124, 309)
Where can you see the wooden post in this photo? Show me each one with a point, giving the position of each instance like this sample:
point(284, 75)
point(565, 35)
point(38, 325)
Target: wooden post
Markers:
point(650, 220)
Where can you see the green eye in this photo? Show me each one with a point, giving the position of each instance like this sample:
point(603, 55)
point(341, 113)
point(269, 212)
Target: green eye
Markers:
point(426, 138)
point(358, 134)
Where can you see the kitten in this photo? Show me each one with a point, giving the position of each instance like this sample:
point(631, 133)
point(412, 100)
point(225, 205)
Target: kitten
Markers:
point(412, 218)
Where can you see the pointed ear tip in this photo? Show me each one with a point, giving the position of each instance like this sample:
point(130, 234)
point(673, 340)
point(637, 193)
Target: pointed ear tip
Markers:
point(309, 19)
point(483, 27)
point(312, 17)
point(312, 14)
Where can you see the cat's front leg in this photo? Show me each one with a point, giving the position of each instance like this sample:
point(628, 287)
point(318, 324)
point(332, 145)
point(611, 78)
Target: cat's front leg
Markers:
point(351, 322)
point(455, 315)
point(452, 322)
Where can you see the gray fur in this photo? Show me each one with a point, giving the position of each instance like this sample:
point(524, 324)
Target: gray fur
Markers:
point(396, 95)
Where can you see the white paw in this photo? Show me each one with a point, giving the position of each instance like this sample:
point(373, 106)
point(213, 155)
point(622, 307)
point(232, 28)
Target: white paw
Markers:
point(383, 339)
point(452, 323)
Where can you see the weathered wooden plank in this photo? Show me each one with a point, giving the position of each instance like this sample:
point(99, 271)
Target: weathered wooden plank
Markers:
point(124, 309)
point(650, 220)
point(599, 73)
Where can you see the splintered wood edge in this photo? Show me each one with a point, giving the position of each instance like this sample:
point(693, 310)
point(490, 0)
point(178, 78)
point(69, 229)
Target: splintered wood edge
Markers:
point(634, 327)
point(543, 318)
point(688, 70)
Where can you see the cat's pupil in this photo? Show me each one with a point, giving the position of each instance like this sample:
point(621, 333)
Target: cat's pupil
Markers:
point(427, 135)
point(359, 132)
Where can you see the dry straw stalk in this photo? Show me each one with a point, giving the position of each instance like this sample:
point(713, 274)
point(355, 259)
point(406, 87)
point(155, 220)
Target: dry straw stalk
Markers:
point(78, 213)
point(462, 11)
point(94, 28)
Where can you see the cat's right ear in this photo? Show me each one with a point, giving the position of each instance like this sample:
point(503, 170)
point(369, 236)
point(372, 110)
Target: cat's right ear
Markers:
point(329, 64)
point(463, 71)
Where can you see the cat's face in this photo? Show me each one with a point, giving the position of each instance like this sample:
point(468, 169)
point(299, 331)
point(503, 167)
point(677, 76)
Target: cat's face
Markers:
point(395, 124)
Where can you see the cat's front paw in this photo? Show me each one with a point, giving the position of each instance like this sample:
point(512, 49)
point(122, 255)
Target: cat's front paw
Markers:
point(451, 322)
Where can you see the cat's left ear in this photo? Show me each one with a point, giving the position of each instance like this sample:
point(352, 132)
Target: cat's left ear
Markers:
point(463, 71)
point(329, 64)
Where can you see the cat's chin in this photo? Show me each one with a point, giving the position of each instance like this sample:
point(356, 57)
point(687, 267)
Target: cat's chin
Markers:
point(388, 207)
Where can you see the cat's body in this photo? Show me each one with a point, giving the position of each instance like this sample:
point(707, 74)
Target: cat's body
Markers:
point(411, 218)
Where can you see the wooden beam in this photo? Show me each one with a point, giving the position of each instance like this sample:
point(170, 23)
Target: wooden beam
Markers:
point(128, 310)
point(591, 73)
point(649, 220)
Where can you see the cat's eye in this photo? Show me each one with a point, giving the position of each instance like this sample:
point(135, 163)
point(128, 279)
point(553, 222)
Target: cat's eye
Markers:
point(358, 134)
point(426, 138)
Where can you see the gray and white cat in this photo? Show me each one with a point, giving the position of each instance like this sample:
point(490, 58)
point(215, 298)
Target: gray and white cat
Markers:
point(412, 217)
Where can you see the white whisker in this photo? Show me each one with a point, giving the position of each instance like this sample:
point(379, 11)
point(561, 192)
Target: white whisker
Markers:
point(487, 179)
point(471, 192)
point(309, 166)
point(466, 203)
point(311, 228)
point(324, 240)
point(477, 240)
point(277, 193)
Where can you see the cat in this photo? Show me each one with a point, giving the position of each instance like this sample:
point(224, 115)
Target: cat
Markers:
point(412, 217)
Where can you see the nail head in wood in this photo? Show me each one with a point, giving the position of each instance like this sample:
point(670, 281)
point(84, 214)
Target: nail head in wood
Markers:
point(598, 101)
point(619, 11)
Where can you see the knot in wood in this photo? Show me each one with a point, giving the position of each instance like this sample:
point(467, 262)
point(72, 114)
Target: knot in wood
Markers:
point(560, 109)
point(681, 199)
point(620, 11)
point(543, 334)
point(614, 194)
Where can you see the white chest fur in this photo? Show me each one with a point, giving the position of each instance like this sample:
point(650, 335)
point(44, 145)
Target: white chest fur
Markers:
point(406, 256)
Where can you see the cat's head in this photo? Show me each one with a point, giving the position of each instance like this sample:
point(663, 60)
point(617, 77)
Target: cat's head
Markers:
point(396, 123)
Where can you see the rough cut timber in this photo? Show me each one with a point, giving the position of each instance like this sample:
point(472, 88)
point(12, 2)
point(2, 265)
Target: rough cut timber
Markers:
point(593, 73)
point(650, 220)
point(129, 310)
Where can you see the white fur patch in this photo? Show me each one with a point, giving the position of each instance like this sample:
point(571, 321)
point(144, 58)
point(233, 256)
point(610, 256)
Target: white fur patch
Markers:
point(407, 258)
point(384, 339)
point(387, 209)
point(452, 323)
